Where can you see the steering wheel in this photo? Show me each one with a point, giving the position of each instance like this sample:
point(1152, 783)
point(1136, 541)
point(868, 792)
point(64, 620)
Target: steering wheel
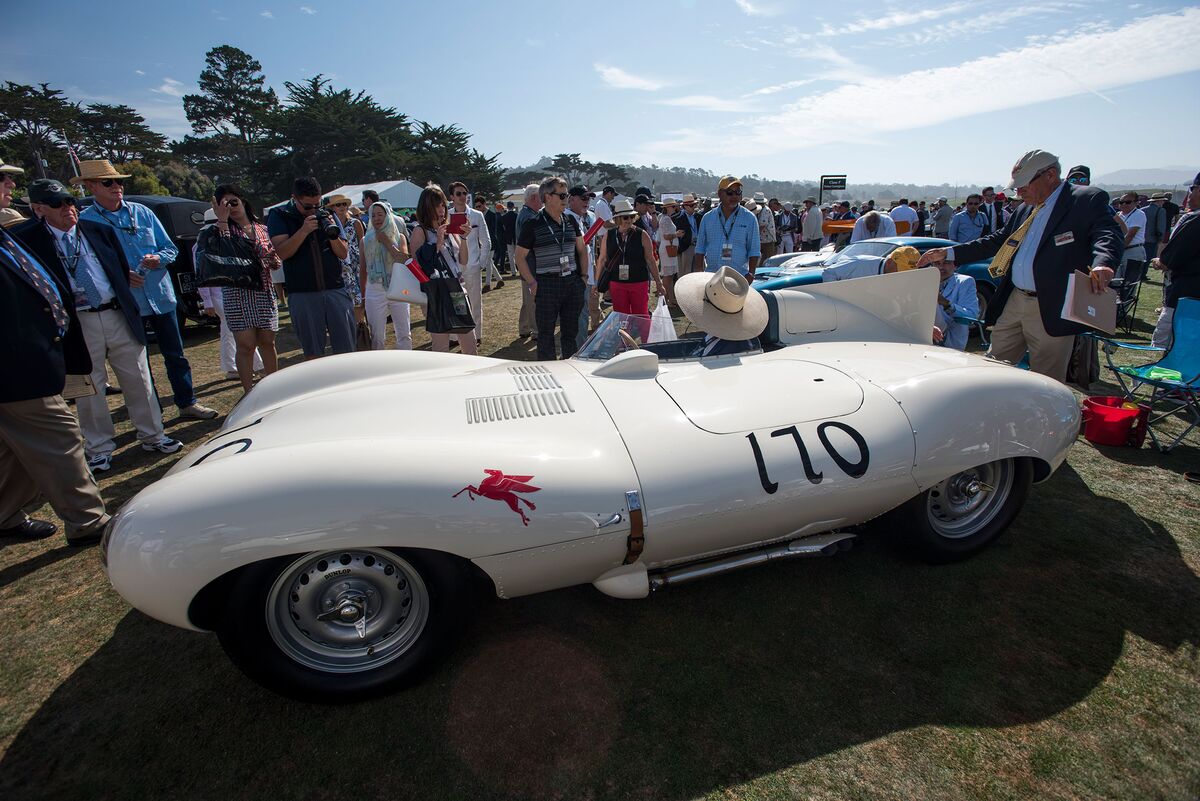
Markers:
point(628, 339)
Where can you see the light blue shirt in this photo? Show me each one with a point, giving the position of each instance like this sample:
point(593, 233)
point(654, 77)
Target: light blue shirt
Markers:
point(742, 230)
point(141, 234)
point(965, 229)
point(1022, 263)
point(964, 302)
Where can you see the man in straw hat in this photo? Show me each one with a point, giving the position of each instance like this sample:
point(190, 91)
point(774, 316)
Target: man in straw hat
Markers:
point(1060, 227)
point(723, 305)
point(148, 250)
point(688, 216)
point(728, 235)
point(41, 449)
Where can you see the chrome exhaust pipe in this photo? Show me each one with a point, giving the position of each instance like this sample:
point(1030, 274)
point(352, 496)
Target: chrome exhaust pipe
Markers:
point(817, 545)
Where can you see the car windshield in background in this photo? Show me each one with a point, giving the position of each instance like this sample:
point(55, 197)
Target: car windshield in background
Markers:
point(864, 249)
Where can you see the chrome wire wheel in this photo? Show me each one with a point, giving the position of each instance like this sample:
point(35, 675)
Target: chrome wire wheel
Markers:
point(966, 502)
point(347, 611)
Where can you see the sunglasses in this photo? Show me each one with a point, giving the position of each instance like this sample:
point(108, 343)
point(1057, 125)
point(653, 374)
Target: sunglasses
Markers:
point(1126, 202)
point(341, 205)
point(307, 206)
point(107, 182)
point(559, 195)
point(1076, 179)
point(733, 192)
point(460, 194)
point(972, 203)
point(58, 202)
point(232, 203)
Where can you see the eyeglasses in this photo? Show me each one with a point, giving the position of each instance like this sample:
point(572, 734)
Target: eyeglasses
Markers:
point(232, 203)
point(559, 195)
point(460, 194)
point(57, 203)
point(107, 182)
point(733, 192)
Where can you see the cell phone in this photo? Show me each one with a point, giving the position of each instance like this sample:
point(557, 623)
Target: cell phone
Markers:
point(457, 223)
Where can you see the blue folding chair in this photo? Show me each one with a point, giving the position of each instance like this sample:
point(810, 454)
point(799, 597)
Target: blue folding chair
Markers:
point(1183, 358)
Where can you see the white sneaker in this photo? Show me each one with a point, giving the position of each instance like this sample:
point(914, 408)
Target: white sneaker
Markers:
point(165, 445)
point(100, 464)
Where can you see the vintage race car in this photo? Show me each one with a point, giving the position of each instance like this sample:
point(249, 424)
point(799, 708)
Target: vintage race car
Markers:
point(332, 531)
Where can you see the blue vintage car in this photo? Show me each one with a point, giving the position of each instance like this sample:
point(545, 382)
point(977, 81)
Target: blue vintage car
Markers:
point(799, 272)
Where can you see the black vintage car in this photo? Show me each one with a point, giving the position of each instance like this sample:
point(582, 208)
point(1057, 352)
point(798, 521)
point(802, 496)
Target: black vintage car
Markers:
point(182, 218)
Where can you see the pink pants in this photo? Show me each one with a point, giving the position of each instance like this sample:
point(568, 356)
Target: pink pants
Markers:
point(630, 298)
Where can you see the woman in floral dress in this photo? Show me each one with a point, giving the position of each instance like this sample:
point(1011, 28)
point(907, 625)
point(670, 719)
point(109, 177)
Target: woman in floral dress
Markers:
point(352, 266)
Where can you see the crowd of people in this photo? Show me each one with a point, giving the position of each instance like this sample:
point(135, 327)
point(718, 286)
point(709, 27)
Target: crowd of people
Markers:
point(80, 289)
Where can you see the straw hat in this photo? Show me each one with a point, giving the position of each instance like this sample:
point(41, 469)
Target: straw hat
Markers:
point(623, 208)
point(9, 168)
point(10, 217)
point(722, 304)
point(96, 170)
point(333, 200)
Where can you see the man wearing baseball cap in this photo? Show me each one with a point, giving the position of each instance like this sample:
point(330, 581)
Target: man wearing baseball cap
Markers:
point(41, 449)
point(1059, 228)
point(728, 235)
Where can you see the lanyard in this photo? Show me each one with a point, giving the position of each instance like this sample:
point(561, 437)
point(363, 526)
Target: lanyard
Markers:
point(561, 238)
point(73, 263)
point(622, 242)
point(132, 228)
point(732, 218)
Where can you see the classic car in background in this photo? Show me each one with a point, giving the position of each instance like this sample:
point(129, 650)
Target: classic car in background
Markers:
point(334, 553)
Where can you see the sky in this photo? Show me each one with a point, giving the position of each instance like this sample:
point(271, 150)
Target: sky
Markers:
point(945, 91)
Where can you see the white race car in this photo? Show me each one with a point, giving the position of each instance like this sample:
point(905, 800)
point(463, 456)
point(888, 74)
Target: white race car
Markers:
point(332, 531)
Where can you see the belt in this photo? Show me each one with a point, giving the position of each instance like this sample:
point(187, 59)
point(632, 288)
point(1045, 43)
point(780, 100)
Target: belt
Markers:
point(112, 304)
point(1025, 291)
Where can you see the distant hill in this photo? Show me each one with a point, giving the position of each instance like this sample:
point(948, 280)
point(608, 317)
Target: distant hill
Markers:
point(1164, 177)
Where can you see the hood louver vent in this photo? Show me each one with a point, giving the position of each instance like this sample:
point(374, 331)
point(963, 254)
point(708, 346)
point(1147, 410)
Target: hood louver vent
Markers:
point(533, 377)
point(530, 403)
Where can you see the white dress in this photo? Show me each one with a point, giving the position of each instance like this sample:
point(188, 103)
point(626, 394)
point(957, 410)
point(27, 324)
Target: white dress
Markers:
point(667, 265)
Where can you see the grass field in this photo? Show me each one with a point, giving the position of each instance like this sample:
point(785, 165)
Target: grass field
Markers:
point(1062, 663)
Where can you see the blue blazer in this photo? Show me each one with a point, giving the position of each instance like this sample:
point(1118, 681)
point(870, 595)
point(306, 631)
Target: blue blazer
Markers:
point(34, 236)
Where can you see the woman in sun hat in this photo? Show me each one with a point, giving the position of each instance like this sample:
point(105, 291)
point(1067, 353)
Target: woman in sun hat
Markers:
point(627, 254)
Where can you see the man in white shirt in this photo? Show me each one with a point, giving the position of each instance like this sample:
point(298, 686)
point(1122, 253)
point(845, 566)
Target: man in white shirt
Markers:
point(903, 213)
point(108, 315)
point(872, 225)
point(811, 229)
point(604, 206)
point(479, 249)
point(1133, 261)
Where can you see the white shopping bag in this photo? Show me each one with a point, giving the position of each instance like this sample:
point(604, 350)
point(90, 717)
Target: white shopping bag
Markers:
point(662, 328)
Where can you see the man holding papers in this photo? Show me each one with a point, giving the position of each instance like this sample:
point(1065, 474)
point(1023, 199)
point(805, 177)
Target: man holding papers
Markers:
point(1059, 228)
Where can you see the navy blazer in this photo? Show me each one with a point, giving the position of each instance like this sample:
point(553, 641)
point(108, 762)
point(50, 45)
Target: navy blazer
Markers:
point(34, 358)
point(1080, 234)
point(104, 244)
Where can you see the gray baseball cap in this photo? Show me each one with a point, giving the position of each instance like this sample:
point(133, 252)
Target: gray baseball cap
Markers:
point(1028, 166)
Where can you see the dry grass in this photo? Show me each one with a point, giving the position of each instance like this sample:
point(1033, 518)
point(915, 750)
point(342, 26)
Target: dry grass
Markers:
point(1062, 663)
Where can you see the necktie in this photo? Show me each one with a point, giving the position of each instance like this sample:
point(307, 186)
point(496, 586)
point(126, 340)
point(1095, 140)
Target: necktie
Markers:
point(83, 278)
point(1004, 256)
point(12, 252)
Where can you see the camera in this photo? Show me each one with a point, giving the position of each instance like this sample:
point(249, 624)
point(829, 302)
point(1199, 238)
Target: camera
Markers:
point(327, 224)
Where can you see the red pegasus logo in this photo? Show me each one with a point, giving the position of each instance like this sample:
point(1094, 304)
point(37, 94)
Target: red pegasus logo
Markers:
point(499, 487)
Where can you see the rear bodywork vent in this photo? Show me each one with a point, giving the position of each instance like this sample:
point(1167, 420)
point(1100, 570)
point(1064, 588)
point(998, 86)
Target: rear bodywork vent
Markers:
point(529, 403)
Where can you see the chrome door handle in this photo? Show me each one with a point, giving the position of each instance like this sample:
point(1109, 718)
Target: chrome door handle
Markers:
point(612, 521)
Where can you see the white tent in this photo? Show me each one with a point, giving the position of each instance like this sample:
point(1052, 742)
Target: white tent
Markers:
point(400, 194)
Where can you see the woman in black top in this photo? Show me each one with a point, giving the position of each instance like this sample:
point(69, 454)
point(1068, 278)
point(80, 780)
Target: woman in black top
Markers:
point(628, 254)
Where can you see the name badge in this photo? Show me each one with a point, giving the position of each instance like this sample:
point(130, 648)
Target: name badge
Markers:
point(727, 251)
point(565, 263)
point(1064, 239)
point(623, 272)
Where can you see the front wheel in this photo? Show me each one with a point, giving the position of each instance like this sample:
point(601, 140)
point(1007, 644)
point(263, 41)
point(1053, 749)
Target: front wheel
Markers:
point(960, 515)
point(344, 625)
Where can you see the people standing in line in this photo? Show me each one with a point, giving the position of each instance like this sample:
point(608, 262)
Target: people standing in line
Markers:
point(479, 246)
point(1180, 260)
point(589, 315)
point(1133, 262)
point(628, 252)
point(728, 235)
point(384, 244)
point(688, 222)
point(811, 226)
point(942, 216)
point(669, 237)
point(969, 224)
point(433, 227)
point(788, 223)
point(100, 280)
point(251, 314)
point(148, 250)
point(527, 319)
point(1058, 229)
point(551, 256)
point(312, 250)
point(352, 231)
point(41, 448)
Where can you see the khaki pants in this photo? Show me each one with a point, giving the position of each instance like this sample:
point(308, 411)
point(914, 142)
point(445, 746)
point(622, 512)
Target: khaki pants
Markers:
point(685, 260)
point(527, 322)
point(472, 280)
point(1019, 328)
point(41, 451)
point(109, 339)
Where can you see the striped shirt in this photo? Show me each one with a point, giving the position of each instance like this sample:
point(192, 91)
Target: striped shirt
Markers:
point(548, 242)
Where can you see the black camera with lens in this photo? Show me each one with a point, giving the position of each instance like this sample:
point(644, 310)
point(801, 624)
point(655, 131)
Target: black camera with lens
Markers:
point(327, 224)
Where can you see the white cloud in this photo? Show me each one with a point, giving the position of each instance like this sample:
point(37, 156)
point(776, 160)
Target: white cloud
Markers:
point(266, 15)
point(905, 16)
point(979, 24)
point(781, 87)
point(618, 78)
point(872, 108)
point(308, 10)
point(709, 103)
point(171, 87)
point(757, 8)
point(139, 72)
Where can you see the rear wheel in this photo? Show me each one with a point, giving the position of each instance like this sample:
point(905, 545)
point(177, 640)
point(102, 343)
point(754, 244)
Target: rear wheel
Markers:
point(343, 625)
point(960, 515)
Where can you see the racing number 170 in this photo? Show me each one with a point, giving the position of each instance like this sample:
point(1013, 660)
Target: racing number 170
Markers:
point(852, 469)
